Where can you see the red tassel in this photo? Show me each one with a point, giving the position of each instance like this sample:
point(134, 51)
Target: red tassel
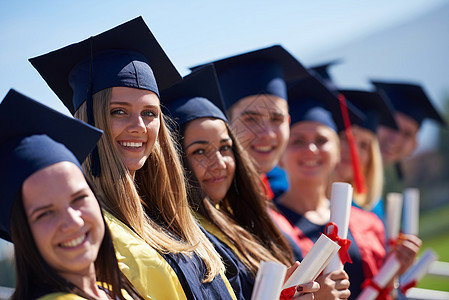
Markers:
point(359, 179)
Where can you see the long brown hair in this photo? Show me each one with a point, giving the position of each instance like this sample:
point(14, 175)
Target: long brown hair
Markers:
point(159, 187)
point(35, 278)
point(243, 215)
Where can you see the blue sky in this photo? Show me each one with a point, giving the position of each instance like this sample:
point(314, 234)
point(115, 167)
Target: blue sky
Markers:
point(191, 32)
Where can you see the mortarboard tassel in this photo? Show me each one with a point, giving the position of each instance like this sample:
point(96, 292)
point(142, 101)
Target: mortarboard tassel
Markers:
point(94, 157)
point(359, 179)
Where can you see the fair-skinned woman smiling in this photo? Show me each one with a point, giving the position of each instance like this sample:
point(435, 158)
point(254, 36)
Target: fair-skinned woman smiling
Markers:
point(311, 156)
point(134, 124)
point(63, 247)
point(378, 112)
point(65, 221)
point(225, 187)
point(161, 249)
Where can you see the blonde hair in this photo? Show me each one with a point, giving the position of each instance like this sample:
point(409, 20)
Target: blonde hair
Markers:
point(159, 186)
point(373, 177)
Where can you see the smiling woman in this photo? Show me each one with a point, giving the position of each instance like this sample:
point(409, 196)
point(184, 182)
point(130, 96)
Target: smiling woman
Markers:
point(225, 188)
point(65, 221)
point(209, 152)
point(112, 81)
point(63, 247)
point(135, 123)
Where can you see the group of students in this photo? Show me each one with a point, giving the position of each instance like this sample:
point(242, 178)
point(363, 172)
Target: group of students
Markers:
point(157, 189)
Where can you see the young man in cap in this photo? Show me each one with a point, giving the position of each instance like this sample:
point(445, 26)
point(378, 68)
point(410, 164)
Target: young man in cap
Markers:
point(411, 106)
point(255, 97)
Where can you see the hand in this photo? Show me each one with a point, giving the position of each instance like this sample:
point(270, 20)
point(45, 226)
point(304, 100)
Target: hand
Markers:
point(307, 290)
point(334, 285)
point(407, 248)
point(290, 271)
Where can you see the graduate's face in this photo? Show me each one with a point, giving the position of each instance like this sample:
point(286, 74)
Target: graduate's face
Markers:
point(208, 147)
point(363, 140)
point(135, 121)
point(261, 124)
point(64, 218)
point(397, 145)
point(312, 152)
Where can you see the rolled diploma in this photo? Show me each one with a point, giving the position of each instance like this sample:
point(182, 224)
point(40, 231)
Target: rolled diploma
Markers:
point(394, 209)
point(314, 262)
point(411, 211)
point(385, 275)
point(341, 201)
point(269, 279)
point(419, 268)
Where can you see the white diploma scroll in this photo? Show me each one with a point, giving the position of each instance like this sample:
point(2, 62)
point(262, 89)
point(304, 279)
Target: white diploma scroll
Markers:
point(394, 210)
point(385, 275)
point(419, 269)
point(314, 262)
point(269, 280)
point(410, 218)
point(341, 201)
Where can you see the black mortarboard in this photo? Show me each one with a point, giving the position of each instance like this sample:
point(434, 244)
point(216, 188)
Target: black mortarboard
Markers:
point(196, 96)
point(32, 137)
point(311, 100)
point(261, 71)
point(322, 71)
point(377, 109)
point(409, 99)
point(126, 55)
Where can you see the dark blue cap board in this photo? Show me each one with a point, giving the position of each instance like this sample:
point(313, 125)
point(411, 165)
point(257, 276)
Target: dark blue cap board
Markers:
point(126, 55)
point(409, 99)
point(34, 136)
point(311, 100)
point(263, 71)
point(322, 71)
point(196, 96)
point(377, 109)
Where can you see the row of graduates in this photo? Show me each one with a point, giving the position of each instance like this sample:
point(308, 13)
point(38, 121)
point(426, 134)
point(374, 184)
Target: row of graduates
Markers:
point(172, 240)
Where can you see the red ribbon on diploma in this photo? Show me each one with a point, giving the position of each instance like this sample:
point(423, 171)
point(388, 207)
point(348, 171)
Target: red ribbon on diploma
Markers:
point(343, 243)
point(288, 293)
point(408, 286)
point(383, 292)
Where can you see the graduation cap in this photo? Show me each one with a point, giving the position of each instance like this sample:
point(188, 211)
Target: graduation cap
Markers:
point(262, 71)
point(377, 109)
point(409, 99)
point(311, 100)
point(322, 71)
point(32, 137)
point(126, 55)
point(196, 96)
